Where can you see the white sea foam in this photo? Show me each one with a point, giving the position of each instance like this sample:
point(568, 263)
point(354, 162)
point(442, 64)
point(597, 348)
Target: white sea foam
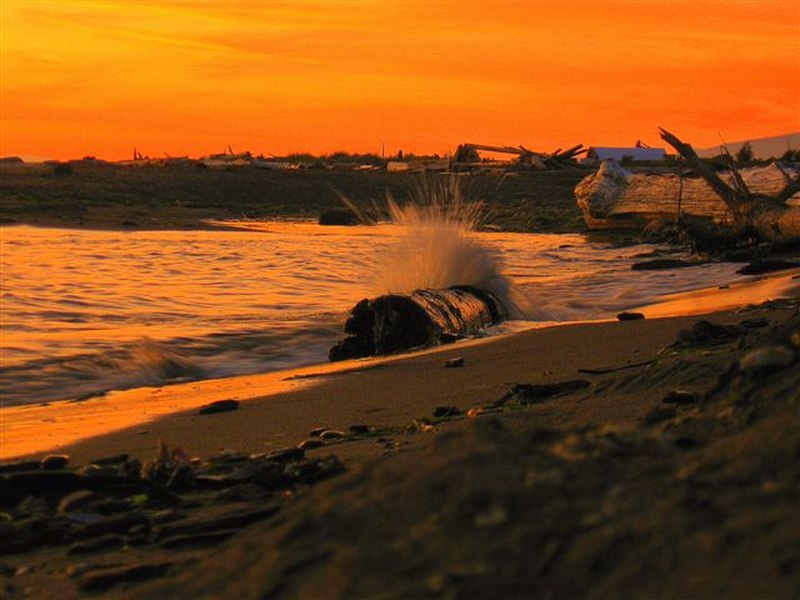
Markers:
point(439, 249)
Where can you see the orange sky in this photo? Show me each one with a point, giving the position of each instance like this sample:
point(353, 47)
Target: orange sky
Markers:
point(190, 77)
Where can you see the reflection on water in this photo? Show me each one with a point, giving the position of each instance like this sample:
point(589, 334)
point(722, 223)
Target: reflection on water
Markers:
point(88, 311)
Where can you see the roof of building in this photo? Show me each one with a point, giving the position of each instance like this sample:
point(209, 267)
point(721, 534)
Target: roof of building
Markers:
point(605, 153)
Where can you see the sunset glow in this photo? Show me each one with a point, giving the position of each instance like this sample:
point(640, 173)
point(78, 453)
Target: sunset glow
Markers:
point(180, 77)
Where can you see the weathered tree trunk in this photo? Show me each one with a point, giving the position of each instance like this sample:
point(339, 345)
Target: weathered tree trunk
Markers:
point(395, 322)
point(614, 198)
point(767, 215)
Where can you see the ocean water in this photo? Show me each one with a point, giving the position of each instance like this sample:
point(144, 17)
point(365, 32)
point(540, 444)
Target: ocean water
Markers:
point(84, 312)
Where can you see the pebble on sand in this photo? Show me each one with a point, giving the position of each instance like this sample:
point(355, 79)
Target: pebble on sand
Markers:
point(54, 462)
point(218, 407)
point(630, 316)
point(310, 444)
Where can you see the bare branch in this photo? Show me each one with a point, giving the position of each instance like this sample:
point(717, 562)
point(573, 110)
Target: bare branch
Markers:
point(722, 189)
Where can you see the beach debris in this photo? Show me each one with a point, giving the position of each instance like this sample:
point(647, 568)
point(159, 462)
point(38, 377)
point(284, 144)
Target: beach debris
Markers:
point(756, 198)
point(317, 431)
point(766, 360)
point(310, 444)
point(218, 407)
point(454, 363)
point(332, 434)
point(533, 393)
point(759, 267)
point(75, 501)
point(396, 322)
point(680, 397)
point(447, 411)
point(54, 462)
point(630, 316)
point(102, 580)
point(755, 323)
point(660, 414)
point(359, 429)
point(115, 459)
point(706, 332)
point(286, 454)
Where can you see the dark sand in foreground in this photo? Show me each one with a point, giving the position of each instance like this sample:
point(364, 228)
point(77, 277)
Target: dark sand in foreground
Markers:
point(602, 490)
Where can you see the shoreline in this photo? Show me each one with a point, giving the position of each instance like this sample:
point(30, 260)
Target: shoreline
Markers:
point(27, 430)
point(572, 461)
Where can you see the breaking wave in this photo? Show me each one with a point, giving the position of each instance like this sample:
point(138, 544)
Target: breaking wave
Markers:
point(439, 249)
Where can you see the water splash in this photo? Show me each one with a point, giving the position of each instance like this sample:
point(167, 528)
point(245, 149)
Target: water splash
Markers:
point(153, 363)
point(439, 250)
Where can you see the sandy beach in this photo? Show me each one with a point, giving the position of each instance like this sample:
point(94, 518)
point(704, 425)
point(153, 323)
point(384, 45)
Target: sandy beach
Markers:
point(661, 447)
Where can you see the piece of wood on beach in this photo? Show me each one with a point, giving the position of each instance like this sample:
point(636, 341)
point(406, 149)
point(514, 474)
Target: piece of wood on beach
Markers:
point(395, 322)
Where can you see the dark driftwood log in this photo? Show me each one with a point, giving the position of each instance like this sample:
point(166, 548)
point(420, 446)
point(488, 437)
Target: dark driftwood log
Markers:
point(396, 322)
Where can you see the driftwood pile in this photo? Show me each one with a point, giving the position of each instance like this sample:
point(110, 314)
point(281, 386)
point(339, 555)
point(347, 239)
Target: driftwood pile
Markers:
point(526, 158)
point(759, 202)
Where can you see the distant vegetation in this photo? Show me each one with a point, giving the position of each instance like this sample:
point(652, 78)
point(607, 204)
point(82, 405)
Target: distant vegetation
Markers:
point(106, 195)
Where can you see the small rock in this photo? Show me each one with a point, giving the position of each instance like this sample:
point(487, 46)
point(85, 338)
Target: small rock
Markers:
point(54, 462)
point(97, 471)
point(317, 431)
point(312, 471)
point(527, 393)
point(332, 434)
point(756, 323)
point(630, 316)
point(760, 267)
point(454, 363)
point(310, 444)
point(475, 412)
point(286, 454)
point(659, 414)
point(359, 429)
point(447, 411)
point(680, 397)
point(218, 407)
point(705, 332)
point(766, 360)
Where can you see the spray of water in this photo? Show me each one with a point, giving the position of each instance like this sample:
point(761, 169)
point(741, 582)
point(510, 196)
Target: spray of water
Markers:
point(439, 248)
